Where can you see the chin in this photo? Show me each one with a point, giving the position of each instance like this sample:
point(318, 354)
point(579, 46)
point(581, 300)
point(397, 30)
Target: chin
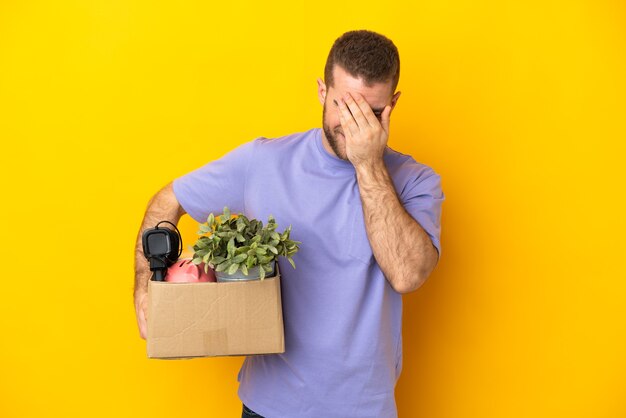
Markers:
point(340, 146)
point(339, 150)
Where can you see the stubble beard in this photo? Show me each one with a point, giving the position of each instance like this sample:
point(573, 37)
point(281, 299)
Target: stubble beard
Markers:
point(331, 136)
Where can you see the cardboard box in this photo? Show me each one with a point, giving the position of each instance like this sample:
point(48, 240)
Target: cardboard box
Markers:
point(188, 320)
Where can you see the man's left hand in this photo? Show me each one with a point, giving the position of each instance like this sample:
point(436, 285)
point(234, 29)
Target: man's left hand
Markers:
point(366, 136)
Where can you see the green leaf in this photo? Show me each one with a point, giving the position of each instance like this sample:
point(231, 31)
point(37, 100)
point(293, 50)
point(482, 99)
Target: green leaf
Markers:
point(196, 261)
point(244, 269)
point(291, 262)
point(222, 266)
point(224, 233)
point(262, 273)
point(233, 268)
point(231, 246)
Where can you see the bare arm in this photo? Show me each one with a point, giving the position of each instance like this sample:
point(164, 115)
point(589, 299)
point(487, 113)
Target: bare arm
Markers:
point(403, 250)
point(162, 207)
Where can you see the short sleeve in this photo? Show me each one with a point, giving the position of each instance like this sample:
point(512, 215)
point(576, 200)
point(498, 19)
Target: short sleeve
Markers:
point(217, 184)
point(422, 198)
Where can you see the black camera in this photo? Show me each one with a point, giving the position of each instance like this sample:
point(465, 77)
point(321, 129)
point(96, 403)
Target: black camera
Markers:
point(161, 247)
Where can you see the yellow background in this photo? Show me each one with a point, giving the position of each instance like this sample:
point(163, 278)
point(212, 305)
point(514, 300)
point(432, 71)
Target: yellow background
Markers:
point(520, 106)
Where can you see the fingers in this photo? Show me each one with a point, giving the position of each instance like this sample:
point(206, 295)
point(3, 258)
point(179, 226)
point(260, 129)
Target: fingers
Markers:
point(141, 309)
point(359, 108)
point(143, 323)
point(366, 110)
point(348, 123)
point(143, 333)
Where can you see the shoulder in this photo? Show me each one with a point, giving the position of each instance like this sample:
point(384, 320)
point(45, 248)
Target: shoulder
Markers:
point(409, 176)
point(285, 141)
point(405, 166)
point(281, 149)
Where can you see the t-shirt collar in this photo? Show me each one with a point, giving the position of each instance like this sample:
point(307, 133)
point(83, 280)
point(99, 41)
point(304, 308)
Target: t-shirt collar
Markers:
point(328, 158)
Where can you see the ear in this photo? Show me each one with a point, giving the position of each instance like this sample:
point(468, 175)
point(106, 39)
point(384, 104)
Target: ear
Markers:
point(394, 99)
point(321, 91)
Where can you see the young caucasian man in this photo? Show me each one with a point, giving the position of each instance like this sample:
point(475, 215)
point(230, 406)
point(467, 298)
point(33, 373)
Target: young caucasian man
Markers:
point(368, 218)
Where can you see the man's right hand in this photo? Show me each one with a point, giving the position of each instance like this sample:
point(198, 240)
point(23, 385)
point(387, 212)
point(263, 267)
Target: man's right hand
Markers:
point(162, 207)
point(141, 310)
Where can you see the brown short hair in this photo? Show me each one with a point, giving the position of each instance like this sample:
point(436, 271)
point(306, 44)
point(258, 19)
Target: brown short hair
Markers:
point(364, 54)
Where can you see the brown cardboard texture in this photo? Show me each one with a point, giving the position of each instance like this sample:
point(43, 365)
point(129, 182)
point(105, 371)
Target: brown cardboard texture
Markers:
point(215, 319)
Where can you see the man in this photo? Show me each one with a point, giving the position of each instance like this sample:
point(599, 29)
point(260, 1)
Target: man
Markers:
point(368, 218)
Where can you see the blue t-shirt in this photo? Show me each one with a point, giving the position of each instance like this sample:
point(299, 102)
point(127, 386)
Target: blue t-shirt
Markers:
point(343, 320)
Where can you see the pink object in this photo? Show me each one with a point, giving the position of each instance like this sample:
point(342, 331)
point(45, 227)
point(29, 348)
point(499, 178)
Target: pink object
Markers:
point(184, 271)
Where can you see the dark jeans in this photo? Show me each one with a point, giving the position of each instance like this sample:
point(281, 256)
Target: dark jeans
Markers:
point(248, 413)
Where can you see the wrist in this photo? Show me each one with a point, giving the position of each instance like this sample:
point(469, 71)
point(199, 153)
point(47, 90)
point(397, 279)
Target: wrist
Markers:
point(369, 166)
point(142, 288)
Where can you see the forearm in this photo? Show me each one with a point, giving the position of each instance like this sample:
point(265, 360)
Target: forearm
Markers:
point(162, 207)
point(402, 248)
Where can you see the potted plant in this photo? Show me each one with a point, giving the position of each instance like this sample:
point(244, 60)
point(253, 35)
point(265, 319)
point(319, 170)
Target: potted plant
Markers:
point(238, 248)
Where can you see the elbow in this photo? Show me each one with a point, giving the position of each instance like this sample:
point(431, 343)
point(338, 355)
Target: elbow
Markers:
point(415, 278)
point(412, 279)
point(166, 202)
point(409, 283)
